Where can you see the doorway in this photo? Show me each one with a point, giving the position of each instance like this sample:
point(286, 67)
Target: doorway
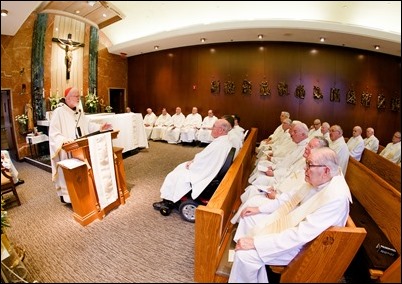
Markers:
point(117, 98)
point(7, 128)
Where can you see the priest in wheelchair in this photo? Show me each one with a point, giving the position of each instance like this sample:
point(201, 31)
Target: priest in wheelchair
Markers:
point(184, 186)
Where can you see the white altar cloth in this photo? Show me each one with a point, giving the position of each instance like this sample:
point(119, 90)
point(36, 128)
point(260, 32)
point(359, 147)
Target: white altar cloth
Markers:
point(131, 125)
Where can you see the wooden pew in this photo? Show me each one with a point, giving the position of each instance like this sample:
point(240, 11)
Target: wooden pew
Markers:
point(382, 203)
point(319, 261)
point(380, 148)
point(213, 227)
point(387, 170)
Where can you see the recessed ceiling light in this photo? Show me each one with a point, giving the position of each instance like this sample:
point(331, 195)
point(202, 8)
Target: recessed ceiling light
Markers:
point(377, 47)
point(322, 39)
point(91, 3)
point(4, 12)
point(260, 36)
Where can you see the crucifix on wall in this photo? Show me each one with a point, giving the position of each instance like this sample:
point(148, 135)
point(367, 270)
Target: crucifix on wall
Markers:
point(69, 46)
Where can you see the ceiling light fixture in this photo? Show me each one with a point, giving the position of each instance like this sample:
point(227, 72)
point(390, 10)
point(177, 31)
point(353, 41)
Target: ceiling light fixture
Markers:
point(4, 12)
point(260, 36)
point(91, 3)
point(322, 39)
point(377, 47)
point(156, 47)
point(202, 39)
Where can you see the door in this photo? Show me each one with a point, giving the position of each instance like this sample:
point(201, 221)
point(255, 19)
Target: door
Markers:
point(117, 99)
point(7, 129)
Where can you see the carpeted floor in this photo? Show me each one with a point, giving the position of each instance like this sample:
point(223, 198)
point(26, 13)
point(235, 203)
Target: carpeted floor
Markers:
point(133, 243)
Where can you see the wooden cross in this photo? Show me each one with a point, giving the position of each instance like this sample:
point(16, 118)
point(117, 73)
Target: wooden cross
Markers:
point(68, 45)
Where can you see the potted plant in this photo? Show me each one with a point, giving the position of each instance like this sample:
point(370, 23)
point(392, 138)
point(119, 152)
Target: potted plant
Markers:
point(22, 120)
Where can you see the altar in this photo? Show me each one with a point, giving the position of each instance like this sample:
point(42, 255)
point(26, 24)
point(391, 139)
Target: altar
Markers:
point(131, 126)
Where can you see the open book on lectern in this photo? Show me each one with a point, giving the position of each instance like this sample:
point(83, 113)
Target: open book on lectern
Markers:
point(94, 133)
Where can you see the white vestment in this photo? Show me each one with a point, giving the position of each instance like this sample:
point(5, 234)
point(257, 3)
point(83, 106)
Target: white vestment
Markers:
point(392, 152)
point(62, 128)
point(204, 133)
point(8, 164)
point(149, 121)
point(372, 143)
point(281, 169)
point(342, 152)
point(161, 124)
point(205, 166)
point(172, 133)
point(190, 126)
point(321, 208)
point(314, 132)
point(356, 147)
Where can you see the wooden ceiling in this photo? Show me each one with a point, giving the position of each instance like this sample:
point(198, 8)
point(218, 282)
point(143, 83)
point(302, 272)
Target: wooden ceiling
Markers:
point(100, 14)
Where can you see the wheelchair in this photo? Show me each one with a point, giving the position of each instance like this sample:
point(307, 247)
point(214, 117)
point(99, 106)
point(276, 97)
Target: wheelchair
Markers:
point(186, 205)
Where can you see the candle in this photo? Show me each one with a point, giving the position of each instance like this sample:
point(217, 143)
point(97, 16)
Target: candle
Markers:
point(57, 93)
point(43, 93)
point(94, 91)
point(81, 92)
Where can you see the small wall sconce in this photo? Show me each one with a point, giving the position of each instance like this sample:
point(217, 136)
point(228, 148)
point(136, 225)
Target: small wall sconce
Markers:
point(4, 12)
point(260, 36)
point(156, 47)
point(202, 39)
point(322, 39)
point(377, 47)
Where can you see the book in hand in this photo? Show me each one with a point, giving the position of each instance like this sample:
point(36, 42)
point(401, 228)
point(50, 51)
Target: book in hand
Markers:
point(94, 133)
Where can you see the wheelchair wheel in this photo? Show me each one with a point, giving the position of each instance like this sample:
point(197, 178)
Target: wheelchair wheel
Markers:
point(165, 210)
point(187, 210)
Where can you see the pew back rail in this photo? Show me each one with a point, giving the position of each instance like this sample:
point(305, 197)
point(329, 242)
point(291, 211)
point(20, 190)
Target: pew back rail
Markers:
point(382, 203)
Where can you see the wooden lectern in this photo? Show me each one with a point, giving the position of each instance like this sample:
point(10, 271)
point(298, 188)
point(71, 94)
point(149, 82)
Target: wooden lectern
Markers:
point(81, 183)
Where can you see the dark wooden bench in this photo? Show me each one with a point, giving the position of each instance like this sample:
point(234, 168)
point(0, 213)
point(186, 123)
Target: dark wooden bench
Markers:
point(213, 227)
point(319, 261)
point(387, 170)
point(377, 208)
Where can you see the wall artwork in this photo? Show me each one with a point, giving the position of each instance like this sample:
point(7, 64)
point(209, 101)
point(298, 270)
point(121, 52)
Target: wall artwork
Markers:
point(300, 92)
point(283, 89)
point(229, 88)
point(317, 94)
point(334, 95)
point(264, 89)
point(366, 99)
point(215, 87)
point(395, 104)
point(381, 101)
point(246, 87)
point(351, 97)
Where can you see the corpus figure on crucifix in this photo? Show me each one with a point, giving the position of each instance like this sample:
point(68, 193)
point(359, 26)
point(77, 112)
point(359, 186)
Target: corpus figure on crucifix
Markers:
point(69, 46)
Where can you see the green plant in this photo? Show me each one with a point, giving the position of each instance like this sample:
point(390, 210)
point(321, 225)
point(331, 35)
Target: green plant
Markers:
point(108, 109)
point(4, 217)
point(54, 100)
point(21, 119)
point(91, 103)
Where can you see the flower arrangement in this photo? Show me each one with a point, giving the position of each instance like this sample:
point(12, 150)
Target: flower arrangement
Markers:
point(4, 217)
point(22, 119)
point(54, 100)
point(108, 109)
point(91, 103)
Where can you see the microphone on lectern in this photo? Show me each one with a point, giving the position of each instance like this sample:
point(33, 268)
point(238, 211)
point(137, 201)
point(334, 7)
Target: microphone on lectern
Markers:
point(78, 133)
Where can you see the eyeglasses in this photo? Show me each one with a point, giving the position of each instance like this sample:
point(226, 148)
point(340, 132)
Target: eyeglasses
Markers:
point(308, 166)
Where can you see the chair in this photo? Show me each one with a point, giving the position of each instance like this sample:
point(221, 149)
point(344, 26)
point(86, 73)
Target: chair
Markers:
point(187, 205)
point(7, 185)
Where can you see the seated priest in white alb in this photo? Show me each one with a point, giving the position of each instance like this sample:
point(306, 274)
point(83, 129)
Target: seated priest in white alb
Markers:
point(149, 121)
point(161, 124)
point(204, 133)
point(172, 133)
point(190, 126)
